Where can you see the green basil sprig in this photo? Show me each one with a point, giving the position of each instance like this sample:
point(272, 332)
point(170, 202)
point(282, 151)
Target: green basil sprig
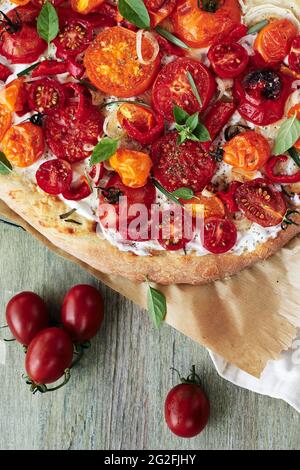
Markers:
point(189, 127)
point(47, 23)
point(157, 305)
point(5, 166)
point(183, 193)
point(257, 27)
point(193, 87)
point(166, 193)
point(288, 134)
point(170, 37)
point(135, 12)
point(294, 155)
point(105, 149)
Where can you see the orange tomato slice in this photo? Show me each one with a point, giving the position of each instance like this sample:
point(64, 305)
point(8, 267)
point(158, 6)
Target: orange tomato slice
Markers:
point(85, 6)
point(133, 167)
point(12, 97)
point(20, 2)
point(204, 206)
point(112, 64)
point(273, 42)
point(291, 113)
point(248, 150)
point(23, 144)
point(5, 121)
point(199, 28)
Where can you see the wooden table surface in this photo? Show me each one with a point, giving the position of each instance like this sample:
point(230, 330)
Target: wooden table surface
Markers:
point(116, 395)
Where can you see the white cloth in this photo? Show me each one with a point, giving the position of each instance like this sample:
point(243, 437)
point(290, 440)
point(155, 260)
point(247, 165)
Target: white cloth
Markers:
point(280, 379)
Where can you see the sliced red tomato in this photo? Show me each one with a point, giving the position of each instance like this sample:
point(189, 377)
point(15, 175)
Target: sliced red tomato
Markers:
point(5, 72)
point(140, 123)
point(46, 96)
point(78, 191)
point(294, 55)
point(185, 165)
point(54, 176)
point(23, 45)
point(261, 95)
point(68, 135)
point(228, 197)
point(24, 14)
point(217, 117)
point(237, 32)
point(112, 64)
point(171, 230)
point(260, 202)
point(228, 59)
point(172, 86)
point(49, 67)
point(159, 10)
point(73, 38)
point(219, 235)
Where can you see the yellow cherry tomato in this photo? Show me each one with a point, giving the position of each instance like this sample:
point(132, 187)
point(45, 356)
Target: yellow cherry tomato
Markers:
point(133, 167)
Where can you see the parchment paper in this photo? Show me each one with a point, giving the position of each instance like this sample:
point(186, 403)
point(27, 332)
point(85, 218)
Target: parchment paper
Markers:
point(248, 319)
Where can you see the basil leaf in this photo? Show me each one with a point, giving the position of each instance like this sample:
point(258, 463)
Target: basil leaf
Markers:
point(26, 71)
point(201, 133)
point(47, 22)
point(194, 87)
point(135, 12)
point(288, 134)
point(166, 193)
point(105, 149)
point(294, 155)
point(184, 193)
point(157, 305)
point(192, 121)
point(257, 27)
point(5, 166)
point(180, 115)
point(170, 37)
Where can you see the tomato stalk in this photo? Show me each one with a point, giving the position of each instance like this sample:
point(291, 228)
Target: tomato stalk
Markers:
point(42, 388)
point(192, 378)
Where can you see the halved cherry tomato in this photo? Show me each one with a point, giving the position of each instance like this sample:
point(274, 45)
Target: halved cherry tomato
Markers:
point(237, 32)
point(13, 95)
point(294, 55)
point(5, 121)
point(54, 176)
point(260, 202)
point(49, 67)
point(186, 165)
point(219, 235)
point(85, 6)
point(140, 123)
point(159, 10)
point(69, 133)
point(49, 354)
point(273, 42)
point(217, 117)
point(26, 315)
point(23, 144)
point(82, 312)
point(204, 206)
point(291, 113)
point(73, 38)
point(171, 230)
point(261, 95)
point(248, 150)
point(228, 59)
point(46, 96)
point(78, 191)
point(199, 26)
point(112, 64)
point(133, 167)
point(172, 87)
point(5, 72)
point(228, 197)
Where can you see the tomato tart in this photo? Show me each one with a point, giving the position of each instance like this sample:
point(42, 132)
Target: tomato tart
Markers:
point(158, 139)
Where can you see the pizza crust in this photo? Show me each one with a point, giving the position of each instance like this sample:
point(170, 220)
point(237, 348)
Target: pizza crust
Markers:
point(42, 212)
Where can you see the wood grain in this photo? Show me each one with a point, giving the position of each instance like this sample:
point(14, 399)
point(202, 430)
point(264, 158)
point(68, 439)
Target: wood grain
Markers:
point(115, 398)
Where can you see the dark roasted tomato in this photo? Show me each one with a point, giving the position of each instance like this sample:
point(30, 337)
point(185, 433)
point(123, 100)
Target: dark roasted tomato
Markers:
point(78, 191)
point(46, 96)
point(185, 165)
point(73, 38)
point(67, 134)
point(294, 55)
point(173, 234)
point(260, 202)
point(261, 95)
point(49, 67)
point(228, 60)
point(218, 116)
point(54, 176)
point(172, 87)
point(20, 42)
point(219, 235)
point(25, 13)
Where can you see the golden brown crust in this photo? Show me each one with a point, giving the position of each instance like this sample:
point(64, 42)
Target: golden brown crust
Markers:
point(42, 212)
